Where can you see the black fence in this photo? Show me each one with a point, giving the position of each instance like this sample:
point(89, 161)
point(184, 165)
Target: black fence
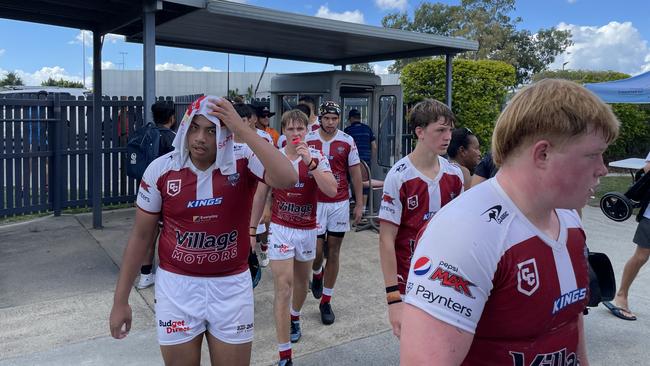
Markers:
point(46, 146)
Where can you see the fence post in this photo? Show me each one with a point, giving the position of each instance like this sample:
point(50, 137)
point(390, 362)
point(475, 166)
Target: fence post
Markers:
point(56, 178)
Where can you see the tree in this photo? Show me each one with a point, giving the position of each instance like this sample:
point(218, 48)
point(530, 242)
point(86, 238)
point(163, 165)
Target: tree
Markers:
point(478, 93)
point(488, 22)
point(11, 79)
point(62, 83)
point(634, 133)
point(364, 67)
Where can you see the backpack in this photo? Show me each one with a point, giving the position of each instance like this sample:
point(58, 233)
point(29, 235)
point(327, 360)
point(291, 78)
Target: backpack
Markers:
point(141, 149)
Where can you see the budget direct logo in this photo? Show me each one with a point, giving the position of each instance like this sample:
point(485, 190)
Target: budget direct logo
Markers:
point(174, 326)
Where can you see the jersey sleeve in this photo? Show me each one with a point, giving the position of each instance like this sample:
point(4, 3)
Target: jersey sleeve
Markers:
point(149, 197)
point(451, 272)
point(391, 207)
point(282, 141)
point(255, 165)
point(323, 164)
point(353, 155)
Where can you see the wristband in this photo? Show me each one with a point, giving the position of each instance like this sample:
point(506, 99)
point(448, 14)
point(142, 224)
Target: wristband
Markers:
point(393, 288)
point(315, 166)
point(252, 235)
point(393, 297)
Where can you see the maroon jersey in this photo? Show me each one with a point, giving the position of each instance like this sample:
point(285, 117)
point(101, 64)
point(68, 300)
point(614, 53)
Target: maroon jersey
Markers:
point(282, 141)
point(205, 214)
point(341, 151)
point(410, 199)
point(482, 266)
point(296, 207)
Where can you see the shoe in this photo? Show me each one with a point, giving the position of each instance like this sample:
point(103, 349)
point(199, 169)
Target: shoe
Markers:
point(145, 281)
point(317, 287)
point(326, 313)
point(296, 333)
point(264, 258)
point(285, 363)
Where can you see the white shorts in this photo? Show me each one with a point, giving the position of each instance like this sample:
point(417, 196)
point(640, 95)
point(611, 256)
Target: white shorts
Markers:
point(261, 228)
point(186, 306)
point(287, 242)
point(333, 216)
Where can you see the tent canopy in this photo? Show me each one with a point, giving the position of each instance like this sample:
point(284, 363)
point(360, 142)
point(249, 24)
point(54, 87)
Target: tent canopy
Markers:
point(634, 90)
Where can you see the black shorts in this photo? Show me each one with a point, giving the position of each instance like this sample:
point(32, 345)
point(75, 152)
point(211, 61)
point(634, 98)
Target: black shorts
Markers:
point(642, 234)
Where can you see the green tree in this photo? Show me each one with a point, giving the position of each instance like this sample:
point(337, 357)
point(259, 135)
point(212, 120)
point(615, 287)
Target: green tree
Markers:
point(11, 79)
point(62, 83)
point(364, 67)
point(478, 93)
point(488, 22)
point(634, 134)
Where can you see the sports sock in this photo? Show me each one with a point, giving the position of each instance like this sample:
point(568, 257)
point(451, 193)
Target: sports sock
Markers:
point(295, 315)
point(318, 274)
point(285, 351)
point(327, 295)
point(146, 269)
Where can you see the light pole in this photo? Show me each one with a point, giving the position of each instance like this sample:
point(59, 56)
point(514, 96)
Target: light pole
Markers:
point(564, 64)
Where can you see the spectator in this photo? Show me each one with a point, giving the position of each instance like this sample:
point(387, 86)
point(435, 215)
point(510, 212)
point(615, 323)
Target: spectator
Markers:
point(464, 151)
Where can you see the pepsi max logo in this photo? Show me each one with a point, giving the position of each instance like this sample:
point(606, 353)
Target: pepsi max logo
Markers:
point(422, 266)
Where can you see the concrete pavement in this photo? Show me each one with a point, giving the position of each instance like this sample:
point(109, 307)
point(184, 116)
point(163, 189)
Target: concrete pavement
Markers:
point(57, 277)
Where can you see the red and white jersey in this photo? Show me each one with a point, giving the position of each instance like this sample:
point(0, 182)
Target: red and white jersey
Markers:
point(410, 199)
point(342, 153)
point(205, 214)
point(296, 207)
point(480, 265)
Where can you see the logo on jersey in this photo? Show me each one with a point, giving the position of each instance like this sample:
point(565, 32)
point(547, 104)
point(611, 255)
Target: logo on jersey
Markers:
point(340, 149)
point(494, 214)
point(527, 277)
point(208, 218)
point(443, 301)
point(412, 202)
point(453, 280)
point(427, 216)
point(388, 199)
point(145, 186)
point(569, 298)
point(233, 179)
point(422, 266)
point(205, 202)
point(173, 187)
point(174, 326)
point(553, 358)
point(282, 248)
point(409, 287)
point(400, 167)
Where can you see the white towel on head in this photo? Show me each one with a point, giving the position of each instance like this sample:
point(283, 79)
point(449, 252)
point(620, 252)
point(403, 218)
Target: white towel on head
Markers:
point(225, 160)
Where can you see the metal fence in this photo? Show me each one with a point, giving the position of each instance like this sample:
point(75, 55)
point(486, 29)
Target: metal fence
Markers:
point(46, 145)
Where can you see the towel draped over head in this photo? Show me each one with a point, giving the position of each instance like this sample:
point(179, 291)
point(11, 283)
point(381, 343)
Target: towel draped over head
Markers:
point(225, 159)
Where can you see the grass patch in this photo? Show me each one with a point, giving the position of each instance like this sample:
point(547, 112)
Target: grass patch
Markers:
point(70, 211)
point(610, 184)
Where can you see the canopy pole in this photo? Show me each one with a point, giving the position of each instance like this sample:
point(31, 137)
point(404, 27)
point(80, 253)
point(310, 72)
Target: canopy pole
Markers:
point(96, 129)
point(448, 64)
point(149, 55)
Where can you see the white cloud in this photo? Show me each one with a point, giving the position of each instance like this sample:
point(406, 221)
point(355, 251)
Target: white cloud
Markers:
point(614, 46)
point(347, 16)
point(167, 66)
point(394, 4)
point(106, 65)
point(37, 77)
point(87, 37)
point(379, 69)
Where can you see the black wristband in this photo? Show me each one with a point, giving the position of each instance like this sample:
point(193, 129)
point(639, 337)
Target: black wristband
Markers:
point(394, 302)
point(393, 288)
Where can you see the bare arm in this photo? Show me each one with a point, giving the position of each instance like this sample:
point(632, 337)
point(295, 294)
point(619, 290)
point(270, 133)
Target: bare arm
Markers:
point(387, 235)
point(325, 181)
point(426, 340)
point(582, 343)
point(278, 170)
point(357, 184)
point(259, 200)
point(467, 178)
point(646, 168)
point(373, 150)
point(136, 248)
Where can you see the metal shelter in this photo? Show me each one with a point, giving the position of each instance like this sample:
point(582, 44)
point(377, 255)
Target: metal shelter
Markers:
point(223, 26)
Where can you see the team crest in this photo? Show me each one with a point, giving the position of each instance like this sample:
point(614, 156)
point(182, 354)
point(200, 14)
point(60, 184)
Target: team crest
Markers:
point(233, 179)
point(527, 277)
point(412, 202)
point(340, 149)
point(173, 187)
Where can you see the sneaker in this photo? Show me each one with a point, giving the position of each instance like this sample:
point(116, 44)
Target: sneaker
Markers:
point(326, 313)
point(145, 281)
point(317, 287)
point(285, 363)
point(264, 258)
point(296, 333)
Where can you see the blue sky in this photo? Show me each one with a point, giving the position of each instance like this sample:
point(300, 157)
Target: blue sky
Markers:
point(608, 36)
